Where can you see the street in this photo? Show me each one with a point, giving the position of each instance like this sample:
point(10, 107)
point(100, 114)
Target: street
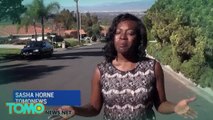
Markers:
point(72, 69)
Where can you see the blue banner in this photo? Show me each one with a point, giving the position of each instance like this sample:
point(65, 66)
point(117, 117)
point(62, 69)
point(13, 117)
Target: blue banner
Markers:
point(48, 97)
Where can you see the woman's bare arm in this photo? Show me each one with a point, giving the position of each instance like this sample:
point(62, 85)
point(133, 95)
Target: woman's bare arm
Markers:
point(91, 109)
point(161, 103)
point(95, 105)
point(166, 107)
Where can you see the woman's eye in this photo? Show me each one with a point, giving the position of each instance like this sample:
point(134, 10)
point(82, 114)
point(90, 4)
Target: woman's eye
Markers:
point(118, 32)
point(131, 33)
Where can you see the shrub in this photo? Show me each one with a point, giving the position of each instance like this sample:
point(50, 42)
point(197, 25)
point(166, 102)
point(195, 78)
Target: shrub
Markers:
point(71, 42)
point(206, 79)
point(165, 55)
point(193, 68)
point(150, 49)
point(175, 63)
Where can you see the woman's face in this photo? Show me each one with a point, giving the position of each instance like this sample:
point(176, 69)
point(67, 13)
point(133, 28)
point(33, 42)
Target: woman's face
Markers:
point(125, 36)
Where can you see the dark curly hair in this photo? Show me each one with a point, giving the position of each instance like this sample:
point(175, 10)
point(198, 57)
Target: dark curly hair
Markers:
point(141, 35)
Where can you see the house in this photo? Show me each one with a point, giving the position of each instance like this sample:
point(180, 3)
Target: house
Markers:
point(13, 33)
point(73, 33)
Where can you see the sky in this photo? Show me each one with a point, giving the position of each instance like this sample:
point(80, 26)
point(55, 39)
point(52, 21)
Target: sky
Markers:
point(93, 4)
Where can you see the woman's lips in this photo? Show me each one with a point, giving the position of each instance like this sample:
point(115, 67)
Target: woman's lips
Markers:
point(123, 45)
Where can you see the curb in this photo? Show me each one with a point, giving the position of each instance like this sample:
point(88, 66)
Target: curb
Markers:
point(206, 93)
point(63, 49)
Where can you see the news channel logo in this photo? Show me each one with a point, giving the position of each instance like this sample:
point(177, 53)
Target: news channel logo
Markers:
point(25, 108)
point(33, 109)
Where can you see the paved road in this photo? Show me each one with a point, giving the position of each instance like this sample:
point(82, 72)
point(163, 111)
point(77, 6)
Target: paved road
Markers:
point(72, 69)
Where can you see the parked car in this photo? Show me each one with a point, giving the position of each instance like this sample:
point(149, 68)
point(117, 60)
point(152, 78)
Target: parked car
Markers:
point(37, 48)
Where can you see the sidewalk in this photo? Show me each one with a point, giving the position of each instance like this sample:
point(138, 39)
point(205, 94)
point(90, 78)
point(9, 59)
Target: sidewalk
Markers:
point(62, 49)
point(11, 46)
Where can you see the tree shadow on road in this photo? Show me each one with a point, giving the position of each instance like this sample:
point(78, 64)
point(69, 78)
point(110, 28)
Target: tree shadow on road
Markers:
point(10, 66)
point(26, 73)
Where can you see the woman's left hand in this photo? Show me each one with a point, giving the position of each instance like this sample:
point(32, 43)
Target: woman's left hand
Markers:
point(184, 110)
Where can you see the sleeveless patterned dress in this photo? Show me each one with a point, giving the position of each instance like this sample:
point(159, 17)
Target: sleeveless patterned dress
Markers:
point(127, 95)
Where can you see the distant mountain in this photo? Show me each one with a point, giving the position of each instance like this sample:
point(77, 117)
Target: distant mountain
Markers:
point(108, 16)
point(116, 7)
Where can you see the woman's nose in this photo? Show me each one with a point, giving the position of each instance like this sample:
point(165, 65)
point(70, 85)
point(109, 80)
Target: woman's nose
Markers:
point(123, 36)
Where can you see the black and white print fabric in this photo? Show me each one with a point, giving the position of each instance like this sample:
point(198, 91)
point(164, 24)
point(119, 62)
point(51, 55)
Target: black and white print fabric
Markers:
point(128, 95)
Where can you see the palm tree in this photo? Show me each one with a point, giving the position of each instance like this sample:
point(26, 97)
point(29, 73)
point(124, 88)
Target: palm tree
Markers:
point(38, 11)
point(27, 19)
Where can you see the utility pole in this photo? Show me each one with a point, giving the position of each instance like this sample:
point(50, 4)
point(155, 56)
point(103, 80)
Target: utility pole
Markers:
point(78, 23)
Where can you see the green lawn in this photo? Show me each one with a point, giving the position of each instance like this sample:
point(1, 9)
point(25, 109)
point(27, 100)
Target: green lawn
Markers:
point(9, 53)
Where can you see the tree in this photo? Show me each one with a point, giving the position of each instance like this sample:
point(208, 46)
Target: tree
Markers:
point(67, 18)
point(27, 19)
point(186, 27)
point(11, 9)
point(38, 11)
point(91, 24)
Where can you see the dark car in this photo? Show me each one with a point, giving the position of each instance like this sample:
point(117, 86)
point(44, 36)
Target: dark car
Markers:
point(37, 48)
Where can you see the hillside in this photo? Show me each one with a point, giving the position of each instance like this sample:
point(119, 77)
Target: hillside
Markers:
point(183, 31)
